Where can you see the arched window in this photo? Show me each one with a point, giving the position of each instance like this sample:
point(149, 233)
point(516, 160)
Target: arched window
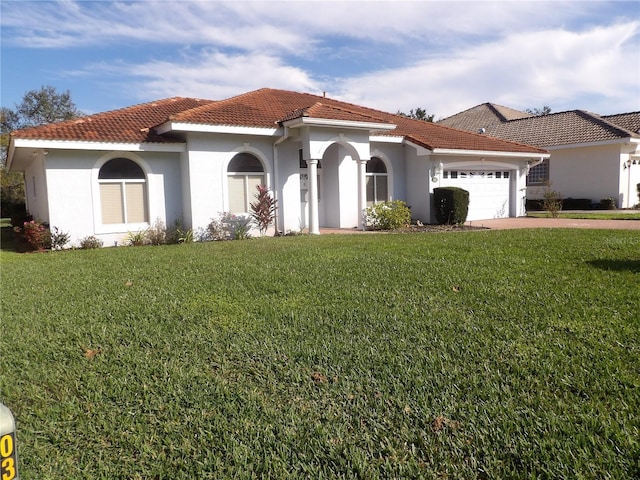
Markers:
point(377, 189)
point(123, 195)
point(244, 173)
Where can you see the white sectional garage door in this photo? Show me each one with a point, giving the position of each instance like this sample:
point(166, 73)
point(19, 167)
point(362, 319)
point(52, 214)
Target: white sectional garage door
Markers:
point(488, 191)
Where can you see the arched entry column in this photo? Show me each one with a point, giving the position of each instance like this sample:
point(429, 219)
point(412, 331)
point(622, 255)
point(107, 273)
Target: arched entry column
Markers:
point(314, 227)
point(362, 191)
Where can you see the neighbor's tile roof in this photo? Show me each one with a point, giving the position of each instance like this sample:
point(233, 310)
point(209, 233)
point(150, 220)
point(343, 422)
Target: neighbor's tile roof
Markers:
point(481, 116)
point(629, 121)
point(127, 125)
point(261, 108)
point(564, 128)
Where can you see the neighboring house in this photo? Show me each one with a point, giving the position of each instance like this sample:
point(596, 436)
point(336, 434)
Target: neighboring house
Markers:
point(592, 157)
point(324, 160)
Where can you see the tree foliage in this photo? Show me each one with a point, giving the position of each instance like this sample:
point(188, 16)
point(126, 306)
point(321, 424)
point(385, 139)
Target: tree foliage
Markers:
point(418, 114)
point(539, 112)
point(38, 107)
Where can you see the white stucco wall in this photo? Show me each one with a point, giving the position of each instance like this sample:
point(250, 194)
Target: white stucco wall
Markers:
point(74, 197)
point(288, 186)
point(418, 185)
point(36, 188)
point(583, 172)
point(207, 161)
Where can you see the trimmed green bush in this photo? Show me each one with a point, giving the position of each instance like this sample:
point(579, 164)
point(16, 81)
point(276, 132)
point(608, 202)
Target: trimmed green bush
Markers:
point(388, 215)
point(576, 203)
point(451, 205)
point(608, 203)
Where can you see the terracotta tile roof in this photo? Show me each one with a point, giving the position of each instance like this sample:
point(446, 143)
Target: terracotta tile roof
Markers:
point(564, 128)
point(481, 116)
point(266, 107)
point(261, 108)
point(320, 110)
point(628, 121)
point(127, 125)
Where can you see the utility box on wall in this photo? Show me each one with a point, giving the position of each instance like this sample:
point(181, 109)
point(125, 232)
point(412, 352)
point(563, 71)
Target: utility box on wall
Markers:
point(8, 450)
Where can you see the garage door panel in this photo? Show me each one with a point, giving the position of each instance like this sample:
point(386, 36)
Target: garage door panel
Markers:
point(488, 192)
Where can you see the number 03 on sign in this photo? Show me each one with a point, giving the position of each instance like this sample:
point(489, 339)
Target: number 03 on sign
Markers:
point(8, 453)
point(8, 468)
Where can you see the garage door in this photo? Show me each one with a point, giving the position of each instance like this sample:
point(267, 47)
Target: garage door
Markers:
point(488, 191)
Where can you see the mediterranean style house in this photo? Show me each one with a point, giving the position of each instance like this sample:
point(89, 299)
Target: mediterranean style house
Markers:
point(593, 157)
point(324, 161)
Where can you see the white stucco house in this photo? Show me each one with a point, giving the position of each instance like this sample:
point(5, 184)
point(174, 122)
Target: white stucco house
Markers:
point(324, 161)
point(592, 157)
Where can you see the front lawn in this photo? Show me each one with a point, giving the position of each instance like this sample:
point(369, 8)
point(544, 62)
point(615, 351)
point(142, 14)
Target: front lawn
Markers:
point(473, 354)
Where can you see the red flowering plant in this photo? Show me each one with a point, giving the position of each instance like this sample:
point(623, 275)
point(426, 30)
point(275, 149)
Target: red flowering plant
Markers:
point(263, 210)
point(35, 234)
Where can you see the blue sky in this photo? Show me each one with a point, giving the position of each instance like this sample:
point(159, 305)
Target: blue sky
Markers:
point(441, 56)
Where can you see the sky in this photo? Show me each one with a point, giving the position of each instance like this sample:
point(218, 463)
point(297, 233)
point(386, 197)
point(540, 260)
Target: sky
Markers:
point(441, 56)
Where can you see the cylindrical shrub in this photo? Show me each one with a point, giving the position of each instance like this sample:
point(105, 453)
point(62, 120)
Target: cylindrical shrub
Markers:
point(451, 205)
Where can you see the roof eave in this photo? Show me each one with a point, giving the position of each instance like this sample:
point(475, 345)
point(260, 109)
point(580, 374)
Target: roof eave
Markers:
point(105, 145)
point(184, 127)
point(349, 124)
point(492, 153)
point(617, 141)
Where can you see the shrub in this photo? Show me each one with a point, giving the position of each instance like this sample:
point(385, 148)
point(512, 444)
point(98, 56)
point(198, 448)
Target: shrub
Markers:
point(451, 205)
point(137, 239)
point(157, 233)
point(17, 212)
point(87, 243)
point(228, 227)
point(388, 215)
point(576, 204)
point(608, 203)
point(19, 217)
point(35, 234)
point(58, 239)
point(263, 210)
point(178, 234)
point(551, 201)
point(533, 204)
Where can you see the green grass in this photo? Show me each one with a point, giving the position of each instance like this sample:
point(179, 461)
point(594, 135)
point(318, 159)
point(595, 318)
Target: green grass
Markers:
point(601, 215)
point(479, 354)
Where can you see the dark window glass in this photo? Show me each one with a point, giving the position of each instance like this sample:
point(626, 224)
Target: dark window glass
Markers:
point(245, 162)
point(120, 169)
point(376, 165)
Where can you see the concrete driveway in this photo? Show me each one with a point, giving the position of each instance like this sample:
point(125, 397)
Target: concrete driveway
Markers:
point(531, 222)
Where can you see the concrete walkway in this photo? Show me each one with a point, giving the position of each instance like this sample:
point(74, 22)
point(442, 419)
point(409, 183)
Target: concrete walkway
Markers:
point(531, 222)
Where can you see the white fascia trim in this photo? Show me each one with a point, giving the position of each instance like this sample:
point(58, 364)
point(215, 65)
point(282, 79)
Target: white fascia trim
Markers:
point(488, 153)
point(204, 128)
point(420, 150)
point(594, 144)
point(79, 145)
point(327, 122)
point(386, 139)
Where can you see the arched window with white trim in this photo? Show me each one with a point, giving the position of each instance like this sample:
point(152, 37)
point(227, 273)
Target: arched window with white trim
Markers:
point(377, 181)
point(244, 173)
point(123, 192)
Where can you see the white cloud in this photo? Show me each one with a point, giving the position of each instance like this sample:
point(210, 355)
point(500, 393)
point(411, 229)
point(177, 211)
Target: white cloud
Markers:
point(212, 75)
point(555, 68)
point(442, 56)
